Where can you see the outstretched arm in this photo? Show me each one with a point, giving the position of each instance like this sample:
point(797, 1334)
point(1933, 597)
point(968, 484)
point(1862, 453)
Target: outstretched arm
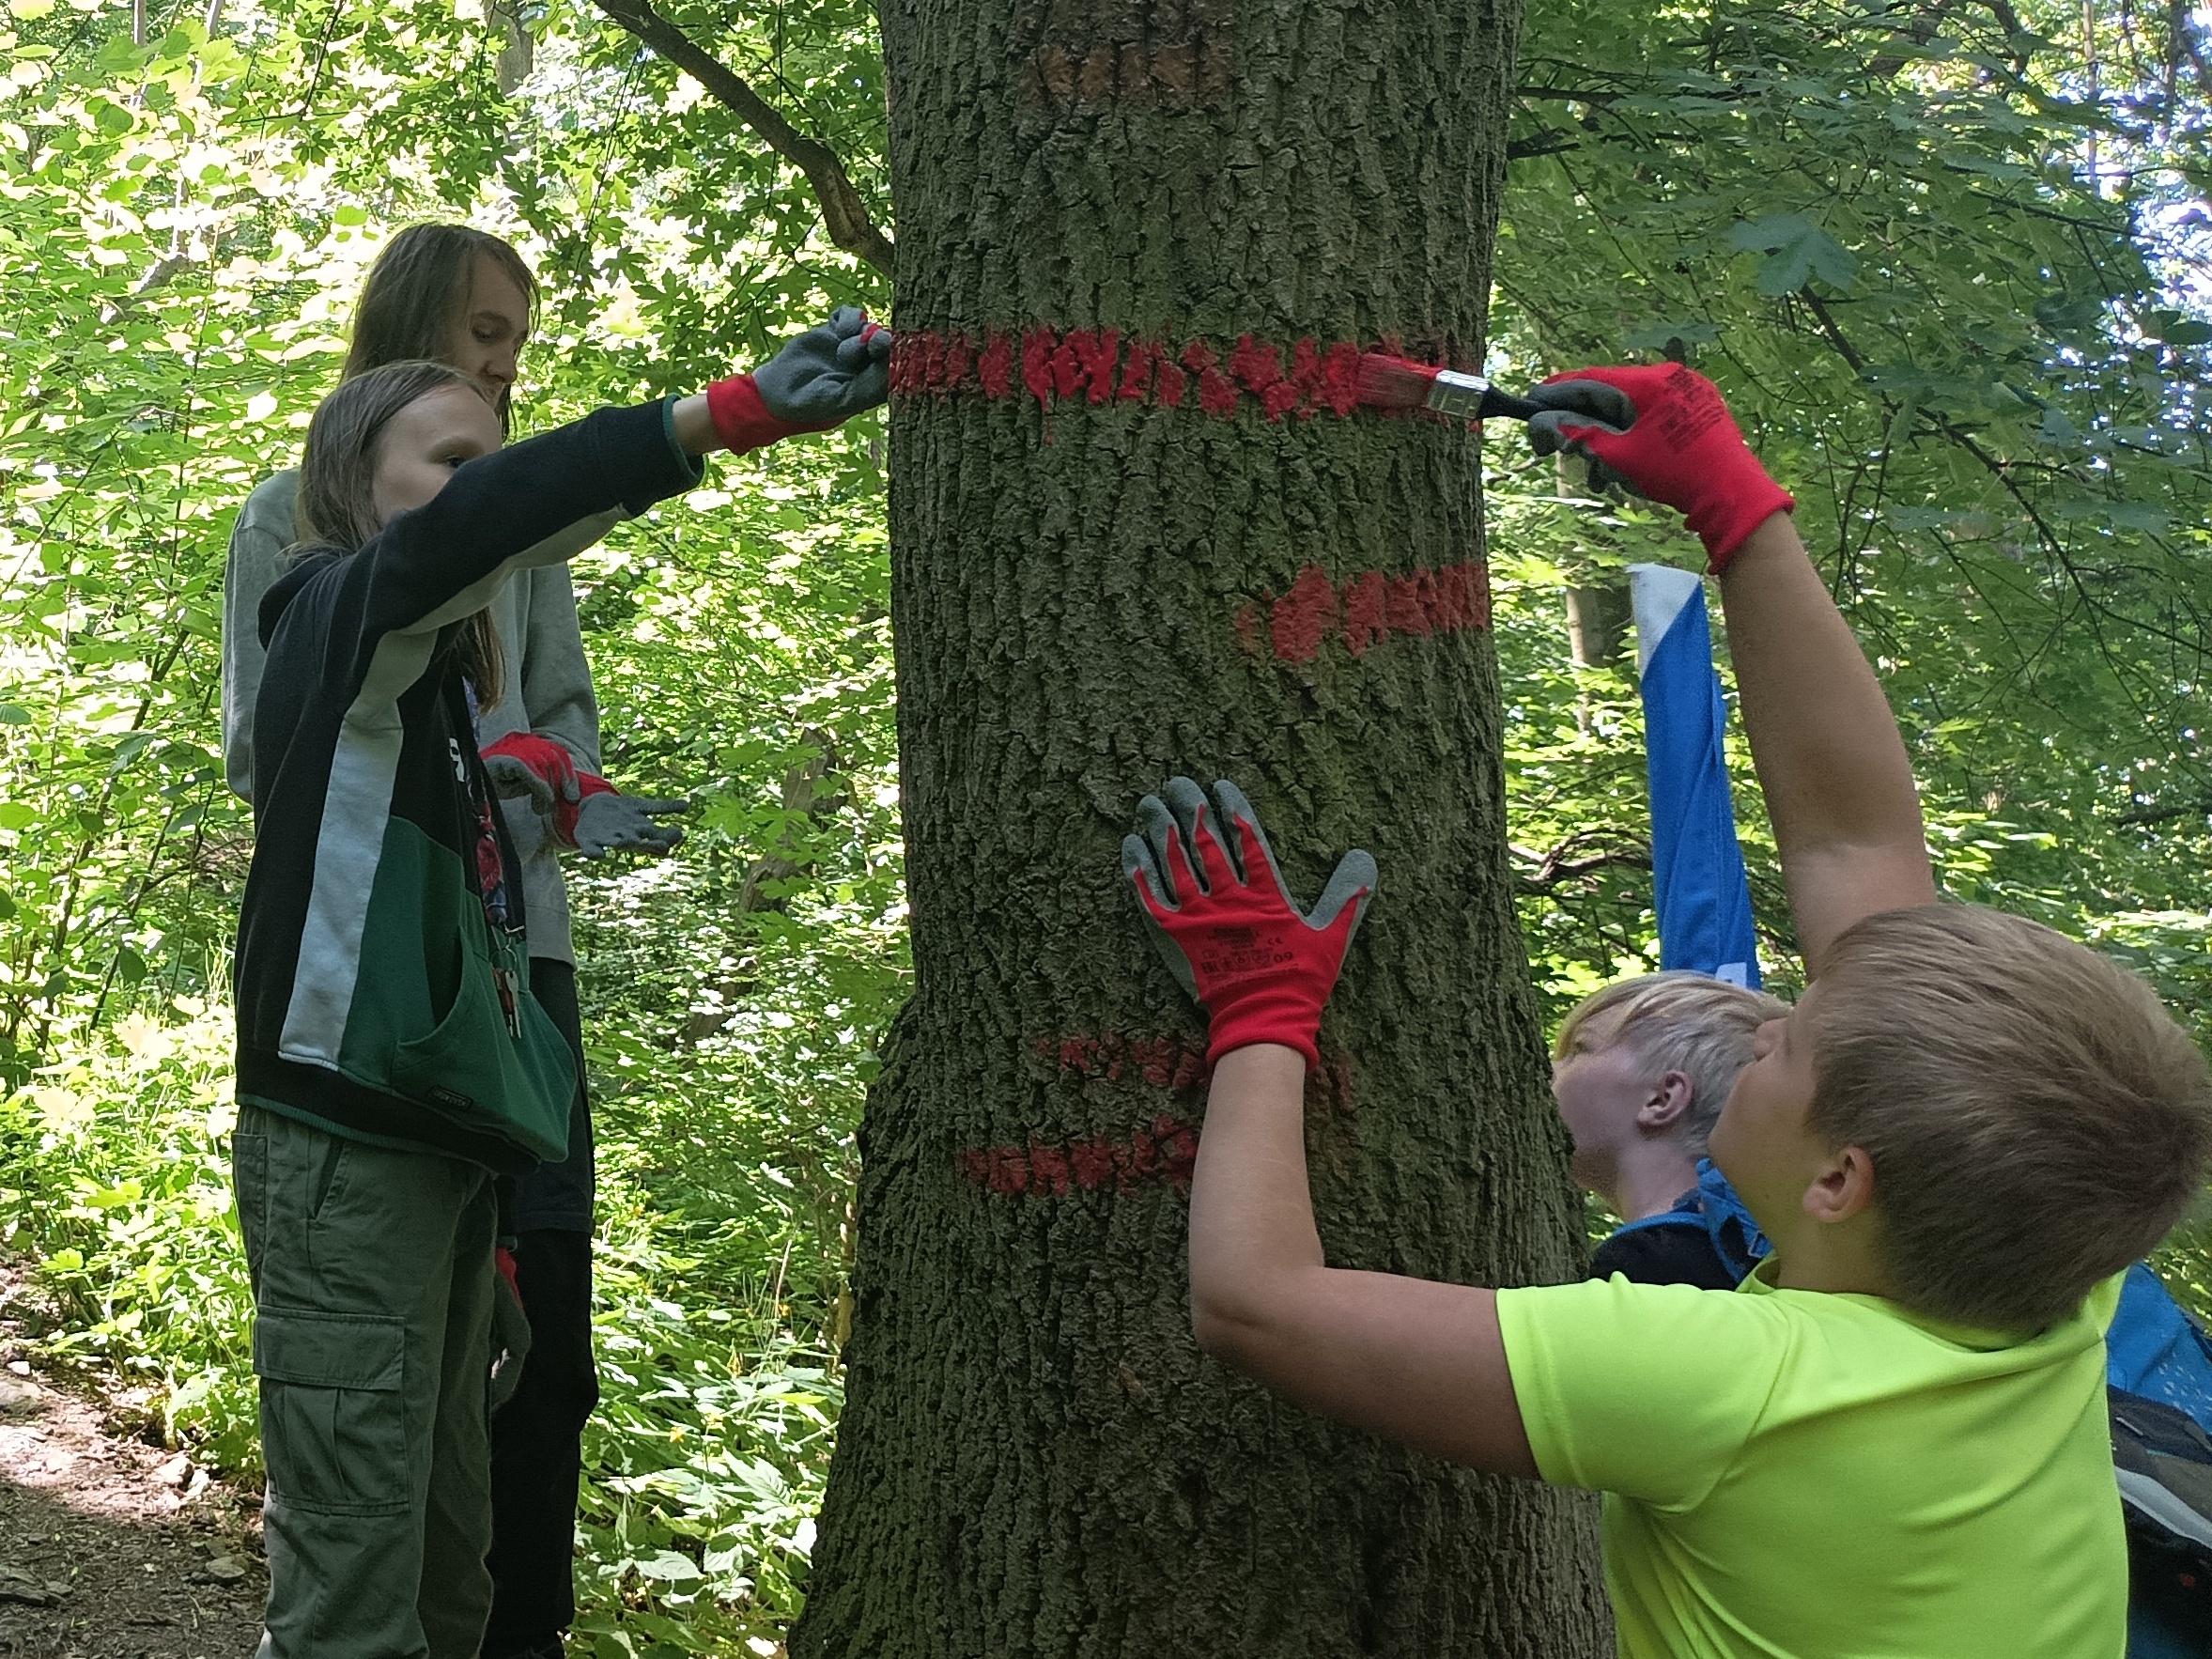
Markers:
point(1839, 789)
point(1839, 786)
point(1413, 1360)
point(1418, 1362)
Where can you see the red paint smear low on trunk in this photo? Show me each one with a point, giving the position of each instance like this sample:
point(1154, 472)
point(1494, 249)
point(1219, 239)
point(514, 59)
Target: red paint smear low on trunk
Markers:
point(1166, 1149)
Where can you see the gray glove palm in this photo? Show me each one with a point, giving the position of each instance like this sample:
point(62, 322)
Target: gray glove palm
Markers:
point(828, 374)
point(625, 823)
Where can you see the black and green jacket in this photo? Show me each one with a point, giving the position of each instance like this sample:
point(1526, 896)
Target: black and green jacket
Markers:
point(368, 978)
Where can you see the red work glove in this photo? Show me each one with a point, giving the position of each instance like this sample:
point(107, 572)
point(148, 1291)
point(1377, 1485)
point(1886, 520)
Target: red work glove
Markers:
point(1225, 926)
point(1673, 440)
point(570, 785)
point(503, 1259)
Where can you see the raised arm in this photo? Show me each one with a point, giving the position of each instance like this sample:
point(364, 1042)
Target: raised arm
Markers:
point(1839, 789)
point(1418, 1362)
point(502, 512)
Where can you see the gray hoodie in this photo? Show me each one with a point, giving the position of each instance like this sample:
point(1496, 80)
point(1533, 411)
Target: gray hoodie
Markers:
point(549, 688)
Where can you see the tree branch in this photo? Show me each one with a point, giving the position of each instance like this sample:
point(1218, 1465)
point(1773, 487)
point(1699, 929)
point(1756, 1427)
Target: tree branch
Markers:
point(2164, 814)
point(843, 214)
point(1556, 866)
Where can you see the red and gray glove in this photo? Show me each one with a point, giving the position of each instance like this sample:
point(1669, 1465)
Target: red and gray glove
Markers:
point(1225, 926)
point(524, 763)
point(1667, 431)
point(816, 381)
point(585, 811)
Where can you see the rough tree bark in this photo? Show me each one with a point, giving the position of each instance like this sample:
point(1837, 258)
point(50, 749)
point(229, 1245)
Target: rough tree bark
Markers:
point(1138, 529)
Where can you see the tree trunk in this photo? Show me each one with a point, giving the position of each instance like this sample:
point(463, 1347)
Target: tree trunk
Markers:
point(1137, 530)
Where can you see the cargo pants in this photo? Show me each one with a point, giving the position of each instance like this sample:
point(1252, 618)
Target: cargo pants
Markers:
point(373, 1291)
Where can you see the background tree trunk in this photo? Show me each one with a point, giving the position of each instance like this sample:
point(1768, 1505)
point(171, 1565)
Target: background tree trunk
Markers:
point(1170, 546)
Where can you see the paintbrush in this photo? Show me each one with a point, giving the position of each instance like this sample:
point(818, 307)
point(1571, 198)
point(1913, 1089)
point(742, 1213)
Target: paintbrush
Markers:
point(1394, 383)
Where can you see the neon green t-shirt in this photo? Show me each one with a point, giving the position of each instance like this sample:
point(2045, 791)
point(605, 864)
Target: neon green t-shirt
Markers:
point(1804, 1475)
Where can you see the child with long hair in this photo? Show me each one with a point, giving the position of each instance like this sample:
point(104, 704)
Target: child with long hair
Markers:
point(463, 297)
point(392, 1059)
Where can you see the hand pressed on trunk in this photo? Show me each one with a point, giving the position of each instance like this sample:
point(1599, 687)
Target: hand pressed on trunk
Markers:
point(1225, 925)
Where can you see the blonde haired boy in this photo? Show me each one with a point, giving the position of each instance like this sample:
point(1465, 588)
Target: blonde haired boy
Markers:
point(1891, 1441)
point(1640, 1070)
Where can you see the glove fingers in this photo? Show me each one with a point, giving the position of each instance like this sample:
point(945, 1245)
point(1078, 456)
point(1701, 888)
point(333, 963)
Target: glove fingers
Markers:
point(846, 321)
point(1543, 433)
point(1557, 431)
point(1193, 811)
point(1593, 400)
point(851, 354)
point(1140, 867)
point(1241, 834)
point(1170, 859)
point(658, 808)
point(1353, 885)
point(872, 385)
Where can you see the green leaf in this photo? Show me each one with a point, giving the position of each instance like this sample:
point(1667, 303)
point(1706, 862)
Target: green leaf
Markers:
point(1800, 249)
point(2121, 514)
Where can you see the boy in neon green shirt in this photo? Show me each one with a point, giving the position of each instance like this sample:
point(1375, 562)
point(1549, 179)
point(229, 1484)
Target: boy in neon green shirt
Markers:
point(1891, 1443)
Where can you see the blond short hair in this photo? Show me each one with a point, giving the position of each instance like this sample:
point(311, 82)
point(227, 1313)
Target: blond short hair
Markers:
point(2036, 1117)
point(1676, 1022)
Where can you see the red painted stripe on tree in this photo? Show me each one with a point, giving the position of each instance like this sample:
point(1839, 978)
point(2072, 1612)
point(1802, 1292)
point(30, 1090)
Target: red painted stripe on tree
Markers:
point(1102, 366)
point(1364, 611)
point(1164, 1062)
point(1166, 1150)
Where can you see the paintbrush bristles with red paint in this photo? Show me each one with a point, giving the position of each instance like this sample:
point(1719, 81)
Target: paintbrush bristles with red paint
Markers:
point(1395, 383)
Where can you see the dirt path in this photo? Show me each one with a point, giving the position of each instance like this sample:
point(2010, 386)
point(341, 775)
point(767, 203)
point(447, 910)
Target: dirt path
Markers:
point(111, 1548)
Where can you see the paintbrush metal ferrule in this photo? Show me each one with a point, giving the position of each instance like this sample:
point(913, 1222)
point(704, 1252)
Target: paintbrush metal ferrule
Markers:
point(1460, 395)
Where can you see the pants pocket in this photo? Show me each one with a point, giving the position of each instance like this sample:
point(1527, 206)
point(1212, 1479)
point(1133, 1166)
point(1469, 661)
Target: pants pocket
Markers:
point(249, 1181)
point(334, 1411)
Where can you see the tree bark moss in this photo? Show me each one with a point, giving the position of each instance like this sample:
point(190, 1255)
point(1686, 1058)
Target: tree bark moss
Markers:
point(1035, 1459)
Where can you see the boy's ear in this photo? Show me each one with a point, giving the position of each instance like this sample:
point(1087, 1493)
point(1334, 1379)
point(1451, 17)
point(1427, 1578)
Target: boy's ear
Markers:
point(1844, 1186)
point(1667, 1105)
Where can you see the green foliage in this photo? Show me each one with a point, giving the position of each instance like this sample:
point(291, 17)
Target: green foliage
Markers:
point(1978, 357)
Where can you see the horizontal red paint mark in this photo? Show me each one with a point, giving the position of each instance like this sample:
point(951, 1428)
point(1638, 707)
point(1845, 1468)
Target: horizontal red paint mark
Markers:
point(1102, 366)
point(1164, 1062)
point(1163, 1151)
point(1364, 611)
